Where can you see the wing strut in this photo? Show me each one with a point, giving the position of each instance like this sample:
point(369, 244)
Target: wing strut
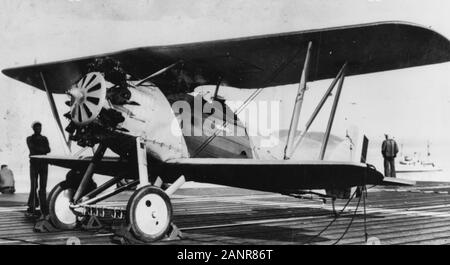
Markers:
point(332, 114)
point(298, 104)
point(158, 73)
point(318, 108)
point(54, 109)
point(216, 91)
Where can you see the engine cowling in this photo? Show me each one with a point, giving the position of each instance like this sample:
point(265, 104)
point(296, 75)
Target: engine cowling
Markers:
point(112, 114)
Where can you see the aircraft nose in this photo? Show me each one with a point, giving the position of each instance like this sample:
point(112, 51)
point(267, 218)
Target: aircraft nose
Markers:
point(88, 98)
point(77, 95)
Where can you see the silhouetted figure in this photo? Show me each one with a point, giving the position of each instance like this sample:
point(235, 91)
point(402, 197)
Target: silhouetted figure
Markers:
point(38, 145)
point(389, 150)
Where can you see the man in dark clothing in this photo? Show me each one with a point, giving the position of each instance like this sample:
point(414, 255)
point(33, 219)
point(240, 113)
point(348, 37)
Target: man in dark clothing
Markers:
point(389, 150)
point(38, 145)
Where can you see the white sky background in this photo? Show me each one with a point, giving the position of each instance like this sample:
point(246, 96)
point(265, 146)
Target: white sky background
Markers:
point(412, 104)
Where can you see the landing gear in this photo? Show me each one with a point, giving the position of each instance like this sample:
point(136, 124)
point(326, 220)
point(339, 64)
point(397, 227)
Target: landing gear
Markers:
point(147, 217)
point(60, 199)
point(149, 213)
point(61, 215)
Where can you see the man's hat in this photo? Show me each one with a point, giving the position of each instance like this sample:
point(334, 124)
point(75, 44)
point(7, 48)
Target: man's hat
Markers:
point(35, 123)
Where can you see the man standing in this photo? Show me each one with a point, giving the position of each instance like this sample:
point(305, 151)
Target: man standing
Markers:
point(38, 145)
point(389, 150)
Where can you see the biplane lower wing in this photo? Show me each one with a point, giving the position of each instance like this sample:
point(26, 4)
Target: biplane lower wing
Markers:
point(110, 166)
point(276, 175)
point(266, 175)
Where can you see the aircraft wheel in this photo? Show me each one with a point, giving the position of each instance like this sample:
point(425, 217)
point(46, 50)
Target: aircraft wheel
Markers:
point(59, 201)
point(149, 212)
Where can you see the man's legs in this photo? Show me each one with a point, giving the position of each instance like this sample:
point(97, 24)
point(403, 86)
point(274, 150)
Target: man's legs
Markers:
point(386, 167)
point(392, 166)
point(43, 173)
point(33, 182)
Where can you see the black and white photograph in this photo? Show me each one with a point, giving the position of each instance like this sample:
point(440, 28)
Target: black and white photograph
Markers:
point(234, 123)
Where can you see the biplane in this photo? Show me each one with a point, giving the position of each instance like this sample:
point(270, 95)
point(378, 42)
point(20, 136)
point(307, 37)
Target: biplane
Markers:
point(122, 101)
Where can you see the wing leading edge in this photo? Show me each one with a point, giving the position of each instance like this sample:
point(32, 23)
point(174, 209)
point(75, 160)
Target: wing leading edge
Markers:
point(263, 61)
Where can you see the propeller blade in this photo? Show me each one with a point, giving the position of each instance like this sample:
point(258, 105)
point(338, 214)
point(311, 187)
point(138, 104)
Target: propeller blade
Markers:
point(54, 109)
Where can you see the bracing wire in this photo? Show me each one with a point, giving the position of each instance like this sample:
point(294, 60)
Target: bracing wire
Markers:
point(350, 224)
point(332, 221)
point(365, 214)
point(351, 221)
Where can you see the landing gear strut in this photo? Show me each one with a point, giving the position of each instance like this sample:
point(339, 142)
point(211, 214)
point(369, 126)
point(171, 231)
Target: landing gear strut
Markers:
point(149, 216)
point(149, 210)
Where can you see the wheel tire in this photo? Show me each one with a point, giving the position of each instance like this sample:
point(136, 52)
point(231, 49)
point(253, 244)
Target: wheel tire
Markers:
point(149, 213)
point(58, 205)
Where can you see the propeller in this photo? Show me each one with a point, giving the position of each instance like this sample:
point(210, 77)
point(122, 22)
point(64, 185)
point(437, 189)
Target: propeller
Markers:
point(54, 109)
point(88, 97)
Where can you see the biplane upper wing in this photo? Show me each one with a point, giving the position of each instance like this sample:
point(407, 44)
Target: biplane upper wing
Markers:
point(262, 61)
point(267, 175)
